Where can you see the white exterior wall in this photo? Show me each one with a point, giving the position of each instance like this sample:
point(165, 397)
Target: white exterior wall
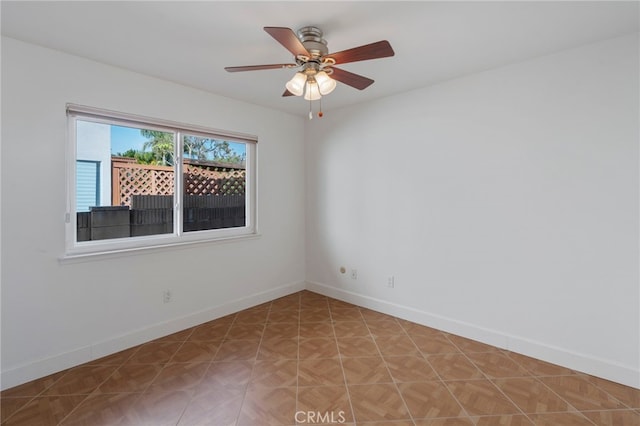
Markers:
point(96, 146)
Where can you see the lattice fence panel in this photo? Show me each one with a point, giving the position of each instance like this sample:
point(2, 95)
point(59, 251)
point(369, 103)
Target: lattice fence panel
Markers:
point(131, 179)
point(199, 180)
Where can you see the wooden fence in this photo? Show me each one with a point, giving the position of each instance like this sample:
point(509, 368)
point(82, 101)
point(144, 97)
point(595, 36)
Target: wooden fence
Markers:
point(142, 200)
point(153, 214)
point(200, 178)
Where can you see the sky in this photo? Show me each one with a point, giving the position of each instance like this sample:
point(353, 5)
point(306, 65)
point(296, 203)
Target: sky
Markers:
point(125, 138)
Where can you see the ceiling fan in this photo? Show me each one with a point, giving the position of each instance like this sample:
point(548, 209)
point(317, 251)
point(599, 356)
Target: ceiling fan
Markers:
point(318, 74)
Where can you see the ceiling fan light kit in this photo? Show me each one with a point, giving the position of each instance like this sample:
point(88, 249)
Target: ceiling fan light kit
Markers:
point(318, 74)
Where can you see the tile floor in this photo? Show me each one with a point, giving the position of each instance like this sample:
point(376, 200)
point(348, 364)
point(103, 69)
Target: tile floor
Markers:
point(306, 359)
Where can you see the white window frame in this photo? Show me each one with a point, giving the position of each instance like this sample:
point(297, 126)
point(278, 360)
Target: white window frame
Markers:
point(75, 249)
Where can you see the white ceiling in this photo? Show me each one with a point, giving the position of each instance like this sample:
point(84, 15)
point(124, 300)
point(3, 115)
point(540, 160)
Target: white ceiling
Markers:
point(191, 42)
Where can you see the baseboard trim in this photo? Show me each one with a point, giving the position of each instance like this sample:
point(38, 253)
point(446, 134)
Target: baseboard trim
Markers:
point(576, 361)
point(41, 368)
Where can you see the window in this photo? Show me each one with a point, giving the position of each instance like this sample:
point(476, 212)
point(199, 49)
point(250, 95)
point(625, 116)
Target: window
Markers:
point(139, 182)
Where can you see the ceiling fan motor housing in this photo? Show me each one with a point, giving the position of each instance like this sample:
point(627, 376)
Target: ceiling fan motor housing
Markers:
point(311, 38)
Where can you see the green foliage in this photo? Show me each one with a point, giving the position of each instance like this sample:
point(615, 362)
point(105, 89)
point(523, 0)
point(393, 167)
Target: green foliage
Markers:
point(161, 149)
point(210, 149)
point(141, 157)
point(161, 146)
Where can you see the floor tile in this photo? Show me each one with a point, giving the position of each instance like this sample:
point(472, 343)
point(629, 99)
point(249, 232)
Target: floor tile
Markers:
point(348, 314)
point(330, 404)
point(454, 366)
point(234, 350)
point(496, 365)
point(481, 398)
point(101, 410)
point(531, 396)
point(156, 408)
point(45, 410)
point(8, 406)
point(154, 353)
point(625, 394)
point(252, 316)
point(410, 369)
point(357, 347)
point(538, 367)
point(320, 371)
point(613, 417)
point(557, 419)
point(396, 345)
point(351, 329)
point(327, 357)
point(281, 330)
point(309, 330)
point(319, 347)
point(429, 400)
point(131, 378)
point(451, 421)
point(245, 331)
point(196, 352)
point(436, 344)
point(34, 387)
point(81, 380)
point(278, 348)
point(365, 370)
point(227, 374)
point(578, 391)
point(284, 316)
point(179, 377)
point(377, 402)
point(385, 328)
point(315, 315)
point(268, 406)
point(117, 358)
point(468, 345)
point(216, 406)
point(213, 330)
point(275, 373)
point(505, 420)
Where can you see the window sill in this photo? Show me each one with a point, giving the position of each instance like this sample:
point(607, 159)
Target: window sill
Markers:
point(79, 257)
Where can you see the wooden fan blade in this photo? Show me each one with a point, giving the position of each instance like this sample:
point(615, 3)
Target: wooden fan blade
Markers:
point(287, 38)
point(287, 93)
point(351, 79)
point(379, 49)
point(259, 67)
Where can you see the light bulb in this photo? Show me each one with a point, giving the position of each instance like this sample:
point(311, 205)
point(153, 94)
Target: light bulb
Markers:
point(312, 93)
point(296, 84)
point(325, 83)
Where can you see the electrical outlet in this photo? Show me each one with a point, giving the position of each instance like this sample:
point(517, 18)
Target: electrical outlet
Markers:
point(354, 274)
point(391, 282)
point(166, 296)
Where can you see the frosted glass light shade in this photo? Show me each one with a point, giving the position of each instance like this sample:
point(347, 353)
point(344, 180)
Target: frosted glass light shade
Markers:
point(313, 92)
point(325, 83)
point(296, 84)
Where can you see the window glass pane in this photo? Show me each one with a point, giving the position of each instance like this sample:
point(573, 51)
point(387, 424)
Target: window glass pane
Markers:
point(129, 191)
point(214, 183)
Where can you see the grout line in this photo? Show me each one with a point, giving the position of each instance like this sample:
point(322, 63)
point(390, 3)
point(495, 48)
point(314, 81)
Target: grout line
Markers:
point(344, 375)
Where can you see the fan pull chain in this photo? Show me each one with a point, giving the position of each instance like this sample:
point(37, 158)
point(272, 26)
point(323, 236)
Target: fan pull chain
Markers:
point(310, 111)
point(320, 113)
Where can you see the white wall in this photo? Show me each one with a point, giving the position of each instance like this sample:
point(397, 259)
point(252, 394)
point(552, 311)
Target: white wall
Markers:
point(55, 314)
point(505, 204)
point(94, 144)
